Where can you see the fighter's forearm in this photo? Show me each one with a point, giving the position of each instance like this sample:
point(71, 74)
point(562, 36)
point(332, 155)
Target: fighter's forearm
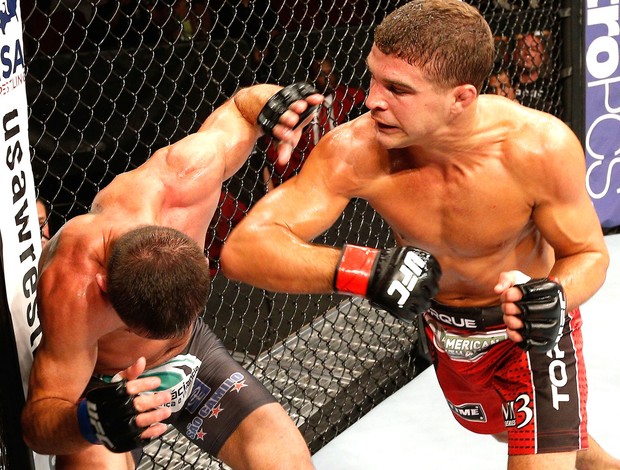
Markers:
point(279, 262)
point(50, 427)
point(581, 276)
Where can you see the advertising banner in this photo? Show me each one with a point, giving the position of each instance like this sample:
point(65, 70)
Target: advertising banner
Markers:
point(602, 138)
point(19, 225)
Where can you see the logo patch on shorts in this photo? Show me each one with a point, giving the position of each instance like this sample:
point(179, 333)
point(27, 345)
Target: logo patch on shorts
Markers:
point(518, 412)
point(464, 347)
point(469, 412)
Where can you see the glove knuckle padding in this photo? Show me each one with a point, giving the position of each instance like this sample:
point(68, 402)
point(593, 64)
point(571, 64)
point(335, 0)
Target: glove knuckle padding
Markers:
point(543, 309)
point(404, 282)
point(277, 105)
point(113, 415)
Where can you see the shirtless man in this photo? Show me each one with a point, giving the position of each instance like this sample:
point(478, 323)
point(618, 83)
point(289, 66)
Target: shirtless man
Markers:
point(494, 191)
point(122, 287)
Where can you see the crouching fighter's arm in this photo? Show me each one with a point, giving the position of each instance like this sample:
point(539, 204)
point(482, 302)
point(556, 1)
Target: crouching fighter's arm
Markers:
point(562, 211)
point(197, 164)
point(271, 248)
point(57, 417)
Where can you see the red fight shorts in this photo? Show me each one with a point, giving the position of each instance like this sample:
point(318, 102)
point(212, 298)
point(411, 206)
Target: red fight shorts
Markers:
point(491, 385)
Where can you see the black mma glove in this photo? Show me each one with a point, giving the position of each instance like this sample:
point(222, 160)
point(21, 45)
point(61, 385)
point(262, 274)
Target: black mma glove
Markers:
point(107, 416)
point(277, 105)
point(400, 280)
point(543, 308)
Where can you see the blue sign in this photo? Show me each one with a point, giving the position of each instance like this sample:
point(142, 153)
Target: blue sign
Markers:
point(602, 141)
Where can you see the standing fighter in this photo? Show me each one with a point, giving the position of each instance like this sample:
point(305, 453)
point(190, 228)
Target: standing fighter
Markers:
point(122, 289)
point(492, 192)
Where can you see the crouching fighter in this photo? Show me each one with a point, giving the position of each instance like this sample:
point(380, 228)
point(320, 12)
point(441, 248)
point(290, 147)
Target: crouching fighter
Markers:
point(122, 288)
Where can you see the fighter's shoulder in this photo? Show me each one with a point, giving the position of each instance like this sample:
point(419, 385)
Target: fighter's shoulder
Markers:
point(538, 125)
point(72, 247)
point(530, 132)
point(351, 140)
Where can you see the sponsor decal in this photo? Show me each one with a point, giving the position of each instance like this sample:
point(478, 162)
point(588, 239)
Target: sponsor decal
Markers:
point(518, 412)
point(8, 12)
point(197, 396)
point(469, 411)
point(212, 408)
point(558, 376)
point(602, 145)
point(19, 228)
point(464, 347)
point(411, 270)
point(177, 376)
point(457, 322)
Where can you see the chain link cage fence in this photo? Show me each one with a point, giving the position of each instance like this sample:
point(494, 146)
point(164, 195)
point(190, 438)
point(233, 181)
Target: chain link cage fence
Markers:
point(109, 82)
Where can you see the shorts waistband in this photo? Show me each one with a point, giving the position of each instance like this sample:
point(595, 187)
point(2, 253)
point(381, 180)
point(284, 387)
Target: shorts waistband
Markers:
point(470, 318)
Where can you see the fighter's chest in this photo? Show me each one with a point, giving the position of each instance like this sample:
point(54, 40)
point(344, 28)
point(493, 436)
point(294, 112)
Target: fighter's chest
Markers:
point(463, 211)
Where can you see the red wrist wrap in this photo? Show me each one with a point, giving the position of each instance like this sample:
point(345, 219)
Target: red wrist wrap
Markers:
point(356, 265)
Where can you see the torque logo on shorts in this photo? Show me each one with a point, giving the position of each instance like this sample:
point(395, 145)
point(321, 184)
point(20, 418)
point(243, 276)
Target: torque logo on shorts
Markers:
point(558, 376)
point(469, 412)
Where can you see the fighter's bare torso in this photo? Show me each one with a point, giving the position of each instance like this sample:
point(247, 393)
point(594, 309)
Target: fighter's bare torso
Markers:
point(79, 251)
point(472, 208)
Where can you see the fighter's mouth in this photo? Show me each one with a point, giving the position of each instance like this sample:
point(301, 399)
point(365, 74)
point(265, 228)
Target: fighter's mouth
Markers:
point(385, 127)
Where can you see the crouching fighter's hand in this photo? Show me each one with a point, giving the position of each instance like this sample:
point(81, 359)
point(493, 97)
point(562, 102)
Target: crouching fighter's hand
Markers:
point(400, 280)
point(534, 310)
point(286, 113)
point(121, 419)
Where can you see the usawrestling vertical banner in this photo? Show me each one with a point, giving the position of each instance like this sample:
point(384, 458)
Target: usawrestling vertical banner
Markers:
point(602, 138)
point(19, 237)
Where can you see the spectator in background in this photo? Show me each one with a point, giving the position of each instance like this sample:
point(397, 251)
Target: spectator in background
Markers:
point(531, 59)
point(187, 21)
point(500, 83)
point(180, 20)
point(43, 215)
point(342, 103)
point(253, 21)
point(230, 211)
point(200, 19)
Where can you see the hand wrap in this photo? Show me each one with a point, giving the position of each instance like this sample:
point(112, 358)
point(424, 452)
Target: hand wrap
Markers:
point(400, 280)
point(107, 416)
point(543, 308)
point(277, 105)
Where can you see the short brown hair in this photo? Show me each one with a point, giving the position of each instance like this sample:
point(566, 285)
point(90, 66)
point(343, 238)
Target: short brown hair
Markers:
point(448, 39)
point(157, 281)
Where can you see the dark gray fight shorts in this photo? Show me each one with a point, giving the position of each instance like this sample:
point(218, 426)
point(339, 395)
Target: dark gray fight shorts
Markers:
point(211, 392)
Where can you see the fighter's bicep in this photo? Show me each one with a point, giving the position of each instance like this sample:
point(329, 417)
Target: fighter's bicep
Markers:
point(316, 207)
point(563, 211)
point(298, 207)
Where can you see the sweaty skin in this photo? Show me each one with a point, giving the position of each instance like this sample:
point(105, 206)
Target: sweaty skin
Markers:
point(487, 186)
point(178, 187)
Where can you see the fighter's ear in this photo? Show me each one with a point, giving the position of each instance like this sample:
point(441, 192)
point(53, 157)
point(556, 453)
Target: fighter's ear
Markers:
point(464, 95)
point(102, 281)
